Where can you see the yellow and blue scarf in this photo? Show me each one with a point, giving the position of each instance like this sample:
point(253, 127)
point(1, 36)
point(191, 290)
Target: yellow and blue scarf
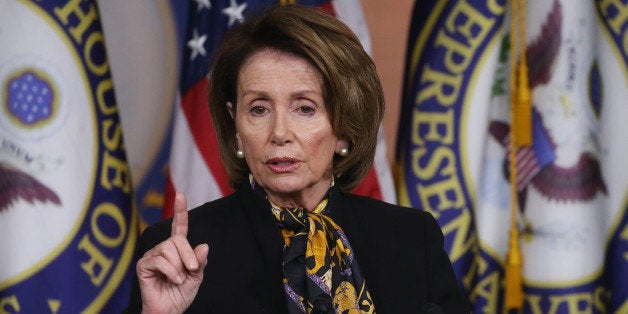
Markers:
point(321, 274)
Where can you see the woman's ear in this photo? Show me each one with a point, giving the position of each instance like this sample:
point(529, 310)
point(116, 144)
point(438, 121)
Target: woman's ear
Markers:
point(239, 140)
point(231, 113)
point(342, 147)
point(230, 108)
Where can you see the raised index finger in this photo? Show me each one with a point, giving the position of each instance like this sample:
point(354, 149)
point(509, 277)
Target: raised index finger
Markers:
point(180, 217)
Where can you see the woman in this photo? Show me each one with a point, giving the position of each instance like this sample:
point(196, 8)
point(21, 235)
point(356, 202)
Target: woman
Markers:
point(296, 103)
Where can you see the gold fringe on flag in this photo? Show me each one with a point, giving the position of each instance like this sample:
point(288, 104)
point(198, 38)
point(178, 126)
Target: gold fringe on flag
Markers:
point(520, 135)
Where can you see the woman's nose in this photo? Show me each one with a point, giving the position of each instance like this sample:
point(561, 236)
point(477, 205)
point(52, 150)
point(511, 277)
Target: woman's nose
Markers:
point(281, 129)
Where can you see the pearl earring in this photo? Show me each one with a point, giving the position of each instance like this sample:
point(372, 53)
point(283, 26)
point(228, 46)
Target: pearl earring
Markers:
point(240, 154)
point(344, 152)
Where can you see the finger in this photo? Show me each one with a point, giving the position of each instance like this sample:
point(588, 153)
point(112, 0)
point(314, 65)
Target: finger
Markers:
point(184, 252)
point(151, 266)
point(169, 250)
point(201, 252)
point(180, 217)
point(178, 252)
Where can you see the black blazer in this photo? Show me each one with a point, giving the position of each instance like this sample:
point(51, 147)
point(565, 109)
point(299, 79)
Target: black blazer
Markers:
point(399, 250)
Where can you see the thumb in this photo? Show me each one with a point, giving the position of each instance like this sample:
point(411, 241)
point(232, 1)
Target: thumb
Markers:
point(201, 252)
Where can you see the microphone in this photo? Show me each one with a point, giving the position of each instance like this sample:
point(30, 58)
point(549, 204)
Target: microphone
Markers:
point(432, 308)
point(322, 305)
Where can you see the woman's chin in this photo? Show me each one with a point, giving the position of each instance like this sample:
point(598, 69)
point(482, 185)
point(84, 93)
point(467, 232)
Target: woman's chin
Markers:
point(284, 185)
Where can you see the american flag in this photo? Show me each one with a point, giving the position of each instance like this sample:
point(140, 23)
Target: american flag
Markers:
point(195, 167)
point(531, 159)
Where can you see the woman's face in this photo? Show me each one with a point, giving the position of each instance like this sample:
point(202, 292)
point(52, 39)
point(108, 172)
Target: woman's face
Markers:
point(283, 128)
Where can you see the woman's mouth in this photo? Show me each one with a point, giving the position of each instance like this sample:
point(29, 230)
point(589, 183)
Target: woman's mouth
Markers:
point(283, 164)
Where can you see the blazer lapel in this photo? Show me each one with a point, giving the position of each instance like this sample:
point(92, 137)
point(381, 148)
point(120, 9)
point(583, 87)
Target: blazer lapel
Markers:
point(270, 243)
point(349, 218)
point(264, 228)
point(343, 214)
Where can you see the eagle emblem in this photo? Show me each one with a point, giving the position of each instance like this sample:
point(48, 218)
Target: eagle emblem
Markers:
point(579, 181)
point(16, 184)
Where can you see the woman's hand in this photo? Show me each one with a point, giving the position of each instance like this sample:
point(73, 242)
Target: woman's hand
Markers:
point(171, 272)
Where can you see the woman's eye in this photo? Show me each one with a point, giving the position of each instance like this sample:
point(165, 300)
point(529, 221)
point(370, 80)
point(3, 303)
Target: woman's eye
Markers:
point(258, 110)
point(306, 109)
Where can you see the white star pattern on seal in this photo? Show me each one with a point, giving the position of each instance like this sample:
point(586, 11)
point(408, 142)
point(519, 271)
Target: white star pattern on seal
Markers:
point(234, 12)
point(196, 45)
point(201, 4)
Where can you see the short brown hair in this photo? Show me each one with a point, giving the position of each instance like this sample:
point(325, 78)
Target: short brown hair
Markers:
point(351, 88)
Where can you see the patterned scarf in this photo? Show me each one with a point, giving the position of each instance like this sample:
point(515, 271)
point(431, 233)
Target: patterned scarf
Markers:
point(320, 272)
